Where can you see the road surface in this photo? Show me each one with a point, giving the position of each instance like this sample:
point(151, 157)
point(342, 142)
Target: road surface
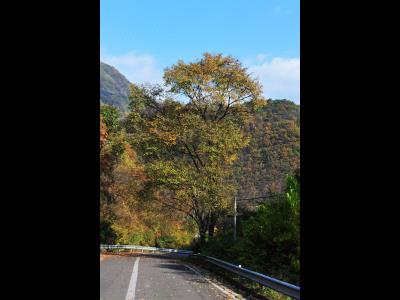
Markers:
point(153, 278)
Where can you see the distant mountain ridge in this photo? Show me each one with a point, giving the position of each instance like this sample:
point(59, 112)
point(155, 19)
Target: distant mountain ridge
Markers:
point(114, 87)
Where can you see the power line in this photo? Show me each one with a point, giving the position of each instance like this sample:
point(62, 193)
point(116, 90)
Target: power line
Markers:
point(235, 211)
point(261, 197)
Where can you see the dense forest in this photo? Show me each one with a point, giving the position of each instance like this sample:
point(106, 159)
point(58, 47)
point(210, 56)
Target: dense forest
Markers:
point(169, 170)
point(273, 150)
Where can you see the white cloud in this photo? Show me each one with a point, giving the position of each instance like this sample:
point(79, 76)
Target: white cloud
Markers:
point(262, 57)
point(137, 68)
point(280, 77)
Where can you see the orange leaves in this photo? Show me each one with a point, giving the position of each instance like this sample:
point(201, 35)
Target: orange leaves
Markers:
point(165, 135)
point(129, 165)
point(103, 131)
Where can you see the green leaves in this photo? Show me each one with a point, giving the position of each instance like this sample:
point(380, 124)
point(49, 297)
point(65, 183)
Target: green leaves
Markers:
point(272, 232)
point(110, 117)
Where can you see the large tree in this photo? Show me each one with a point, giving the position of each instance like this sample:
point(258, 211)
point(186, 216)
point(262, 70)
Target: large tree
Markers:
point(189, 146)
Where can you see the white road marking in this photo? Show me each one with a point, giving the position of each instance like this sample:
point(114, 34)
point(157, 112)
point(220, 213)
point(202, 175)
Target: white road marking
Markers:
point(130, 295)
point(228, 293)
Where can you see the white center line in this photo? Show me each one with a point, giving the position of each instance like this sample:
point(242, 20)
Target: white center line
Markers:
point(130, 295)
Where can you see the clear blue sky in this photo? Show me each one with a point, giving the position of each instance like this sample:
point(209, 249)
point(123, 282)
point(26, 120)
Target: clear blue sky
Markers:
point(140, 38)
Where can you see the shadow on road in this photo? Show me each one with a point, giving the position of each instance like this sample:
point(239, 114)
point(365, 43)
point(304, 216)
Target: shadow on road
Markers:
point(176, 268)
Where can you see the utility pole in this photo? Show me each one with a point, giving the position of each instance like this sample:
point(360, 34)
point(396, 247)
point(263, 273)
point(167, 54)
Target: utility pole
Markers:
point(235, 211)
point(234, 222)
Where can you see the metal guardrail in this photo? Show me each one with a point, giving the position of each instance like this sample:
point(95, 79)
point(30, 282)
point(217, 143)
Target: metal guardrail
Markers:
point(134, 247)
point(275, 284)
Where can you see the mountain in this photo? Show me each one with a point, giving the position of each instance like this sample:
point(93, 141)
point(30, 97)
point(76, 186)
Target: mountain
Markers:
point(114, 87)
point(273, 151)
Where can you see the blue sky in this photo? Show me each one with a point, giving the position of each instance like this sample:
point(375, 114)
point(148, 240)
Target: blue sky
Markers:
point(141, 38)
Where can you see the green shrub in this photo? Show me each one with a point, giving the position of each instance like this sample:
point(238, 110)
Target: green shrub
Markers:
point(268, 240)
point(107, 235)
point(166, 242)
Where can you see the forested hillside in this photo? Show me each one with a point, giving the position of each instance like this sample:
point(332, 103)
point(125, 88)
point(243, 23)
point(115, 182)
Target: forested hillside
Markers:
point(273, 151)
point(114, 87)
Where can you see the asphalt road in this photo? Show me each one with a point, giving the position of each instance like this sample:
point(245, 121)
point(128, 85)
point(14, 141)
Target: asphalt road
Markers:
point(153, 278)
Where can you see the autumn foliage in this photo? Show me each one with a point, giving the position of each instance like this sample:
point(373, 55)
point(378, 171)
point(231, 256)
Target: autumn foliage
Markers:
point(171, 167)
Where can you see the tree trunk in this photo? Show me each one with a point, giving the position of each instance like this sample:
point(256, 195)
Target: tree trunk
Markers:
point(203, 226)
point(211, 224)
point(211, 229)
point(202, 233)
